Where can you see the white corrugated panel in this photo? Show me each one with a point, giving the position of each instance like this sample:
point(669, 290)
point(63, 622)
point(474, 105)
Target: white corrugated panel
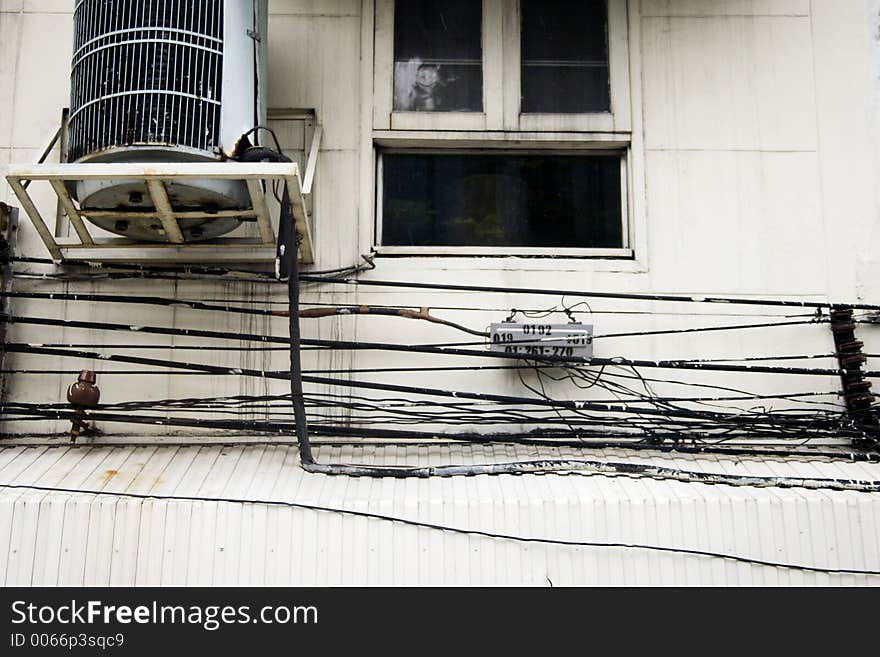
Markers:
point(66, 538)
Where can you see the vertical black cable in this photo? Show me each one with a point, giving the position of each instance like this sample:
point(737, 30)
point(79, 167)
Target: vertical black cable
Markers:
point(289, 252)
point(287, 265)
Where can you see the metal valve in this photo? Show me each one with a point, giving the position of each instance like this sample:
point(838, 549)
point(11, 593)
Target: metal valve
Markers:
point(82, 395)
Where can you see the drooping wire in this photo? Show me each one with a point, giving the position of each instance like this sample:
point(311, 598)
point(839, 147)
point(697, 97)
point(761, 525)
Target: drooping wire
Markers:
point(449, 528)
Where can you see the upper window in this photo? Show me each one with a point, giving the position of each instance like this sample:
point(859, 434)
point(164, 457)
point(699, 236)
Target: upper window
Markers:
point(438, 61)
point(501, 65)
point(564, 57)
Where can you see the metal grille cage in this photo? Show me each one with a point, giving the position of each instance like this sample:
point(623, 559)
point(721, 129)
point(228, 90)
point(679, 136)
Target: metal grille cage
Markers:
point(146, 72)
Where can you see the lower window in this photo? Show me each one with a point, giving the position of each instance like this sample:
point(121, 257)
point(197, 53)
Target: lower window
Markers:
point(546, 203)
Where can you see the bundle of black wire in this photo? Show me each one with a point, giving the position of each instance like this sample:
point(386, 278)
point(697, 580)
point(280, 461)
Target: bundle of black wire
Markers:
point(287, 267)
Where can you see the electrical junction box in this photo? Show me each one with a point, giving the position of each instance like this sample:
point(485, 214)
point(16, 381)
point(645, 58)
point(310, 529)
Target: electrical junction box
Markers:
point(572, 340)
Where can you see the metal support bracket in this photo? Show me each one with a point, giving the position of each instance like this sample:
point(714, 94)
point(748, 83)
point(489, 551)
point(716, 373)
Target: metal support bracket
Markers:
point(88, 248)
point(312, 162)
point(310, 124)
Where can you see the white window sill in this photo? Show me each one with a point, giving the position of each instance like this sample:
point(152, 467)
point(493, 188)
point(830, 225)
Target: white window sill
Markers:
point(499, 259)
point(503, 252)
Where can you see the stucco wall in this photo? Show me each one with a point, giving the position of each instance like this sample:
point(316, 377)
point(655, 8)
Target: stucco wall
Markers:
point(755, 126)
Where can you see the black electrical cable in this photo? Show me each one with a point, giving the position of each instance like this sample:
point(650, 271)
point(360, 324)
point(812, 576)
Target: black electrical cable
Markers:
point(501, 290)
point(256, 129)
point(449, 528)
point(650, 398)
point(530, 311)
point(749, 359)
point(742, 395)
point(634, 334)
point(366, 403)
point(673, 446)
point(491, 419)
point(296, 381)
point(351, 310)
point(379, 370)
point(287, 264)
point(272, 428)
point(623, 408)
point(601, 295)
point(804, 430)
point(199, 305)
point(121, 271)
point(688, 384)
point(696, 423)
point(167, 269)
point(341, 344)
point(106, 372)
point(137, 300)
point(157, 347)
point(348, 370)
point(598, 428)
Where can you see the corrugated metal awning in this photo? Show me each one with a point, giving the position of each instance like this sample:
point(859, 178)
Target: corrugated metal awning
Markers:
point(109, 535)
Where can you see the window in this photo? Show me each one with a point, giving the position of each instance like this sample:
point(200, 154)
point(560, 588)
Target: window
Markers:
point(438, 63)
point(502, 126)
point(523, 201)
point(564, 57)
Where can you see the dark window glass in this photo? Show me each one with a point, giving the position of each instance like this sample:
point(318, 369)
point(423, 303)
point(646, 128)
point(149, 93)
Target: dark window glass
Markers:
point(438, 56)
point(564, 57)
point(564, 201)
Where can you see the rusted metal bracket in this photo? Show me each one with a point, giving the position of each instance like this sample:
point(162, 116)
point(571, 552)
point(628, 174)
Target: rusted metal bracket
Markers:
point(857, 394)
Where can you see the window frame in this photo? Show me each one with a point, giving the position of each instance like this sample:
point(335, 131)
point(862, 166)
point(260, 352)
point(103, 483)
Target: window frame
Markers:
point(502, 79)
point(623, 251)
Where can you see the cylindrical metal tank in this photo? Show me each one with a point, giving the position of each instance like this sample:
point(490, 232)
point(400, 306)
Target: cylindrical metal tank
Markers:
point(165, 81)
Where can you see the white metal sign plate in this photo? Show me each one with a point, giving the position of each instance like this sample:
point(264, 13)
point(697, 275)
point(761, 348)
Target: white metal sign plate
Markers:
point(534, 339)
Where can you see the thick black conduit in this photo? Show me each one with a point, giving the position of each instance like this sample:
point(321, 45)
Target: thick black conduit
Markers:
point(290, 256)
point(287, 265)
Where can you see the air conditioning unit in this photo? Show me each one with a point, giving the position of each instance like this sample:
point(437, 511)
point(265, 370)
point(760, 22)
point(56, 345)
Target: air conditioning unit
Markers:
point(165, 81)
point(163, 94)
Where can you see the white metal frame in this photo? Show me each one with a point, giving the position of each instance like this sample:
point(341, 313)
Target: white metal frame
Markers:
point(85, 247)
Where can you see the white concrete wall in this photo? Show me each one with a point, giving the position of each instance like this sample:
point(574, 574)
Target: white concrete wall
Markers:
point(755, 125)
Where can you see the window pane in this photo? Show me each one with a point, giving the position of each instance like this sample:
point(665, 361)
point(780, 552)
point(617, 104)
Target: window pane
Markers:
point(564, 201)
point(438, 56)
point(564, 56)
